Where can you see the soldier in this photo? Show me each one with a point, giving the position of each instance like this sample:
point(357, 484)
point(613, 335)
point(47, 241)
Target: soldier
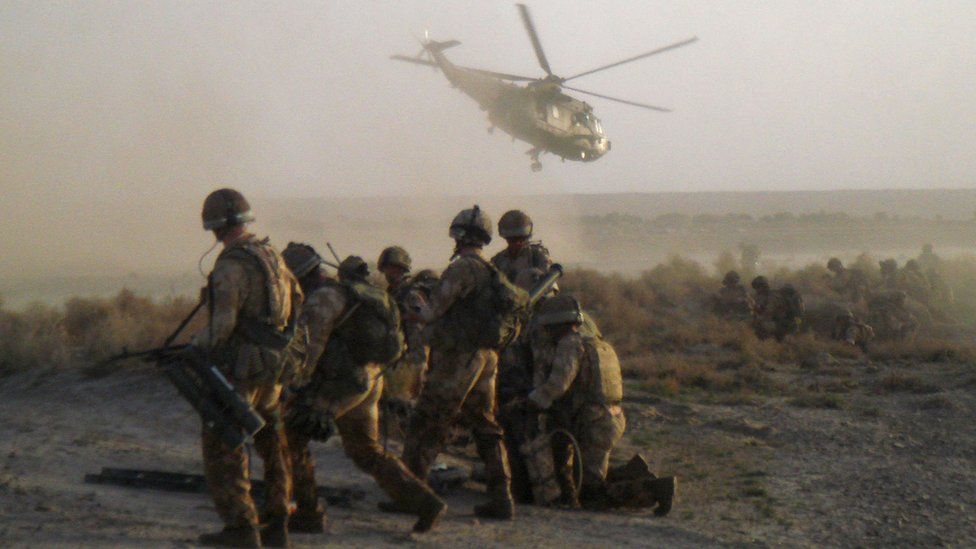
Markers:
point(346, 387)
point(851, 330)
point(913, 282)
point(778, 313)
point(405, 379)
point(463, 367)
point(579, 385)
point(850, 283)
point(521, 254)
point(891, 318)
point(733, 301)
point(253, 300)
point(889, 274)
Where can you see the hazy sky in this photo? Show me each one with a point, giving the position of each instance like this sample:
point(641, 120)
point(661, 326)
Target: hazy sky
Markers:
point(300, 97)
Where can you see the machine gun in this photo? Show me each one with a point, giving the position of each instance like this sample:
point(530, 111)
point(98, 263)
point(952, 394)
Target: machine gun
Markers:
point(202, 385)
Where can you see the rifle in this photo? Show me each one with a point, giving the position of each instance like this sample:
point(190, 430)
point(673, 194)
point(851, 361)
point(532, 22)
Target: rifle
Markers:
point(202, 385)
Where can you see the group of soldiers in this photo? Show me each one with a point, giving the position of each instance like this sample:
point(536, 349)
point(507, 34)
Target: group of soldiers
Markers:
point(859, 311)
point(310, 352)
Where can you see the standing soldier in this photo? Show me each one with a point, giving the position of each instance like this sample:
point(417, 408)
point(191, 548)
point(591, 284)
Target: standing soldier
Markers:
point(852, 284)
point(253, 300)
point(778, 313)
point(406, 377)
point(521, 254)
point(353, 333)
point(463, 364)
point(732, 300)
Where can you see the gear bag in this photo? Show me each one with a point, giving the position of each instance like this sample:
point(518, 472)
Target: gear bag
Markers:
point(601, 378)
point(488, 318)
point(372, 331)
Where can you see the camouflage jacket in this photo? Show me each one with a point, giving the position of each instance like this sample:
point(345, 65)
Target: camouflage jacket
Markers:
point(461, 278)
point(252, 298)
point(556, 368)
point(532, 256)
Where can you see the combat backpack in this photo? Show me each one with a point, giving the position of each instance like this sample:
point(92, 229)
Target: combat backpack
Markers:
point(601, 380)
point(488, 318)
point(371, 332)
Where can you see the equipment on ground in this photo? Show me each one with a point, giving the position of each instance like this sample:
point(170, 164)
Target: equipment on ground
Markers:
point(538, 113)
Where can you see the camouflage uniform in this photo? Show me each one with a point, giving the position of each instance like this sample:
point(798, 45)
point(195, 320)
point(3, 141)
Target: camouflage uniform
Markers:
point(251, 291)
point(567, 385)
point(357, 419)
point(460, 385)
point(733, 301)
point(408, 374)
point(775, 314)
point(852, 284)
point(533, 256)
point(851, 330)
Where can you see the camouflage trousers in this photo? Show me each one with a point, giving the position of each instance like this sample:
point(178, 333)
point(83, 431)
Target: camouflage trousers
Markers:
point(228, 471)
point(357, 419)
point(459, 387)
point(597, 429)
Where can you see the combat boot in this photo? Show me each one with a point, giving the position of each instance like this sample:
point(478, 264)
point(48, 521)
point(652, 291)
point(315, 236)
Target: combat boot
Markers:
point(275, 533)
point(240, 536)
point(663, 491)
point(430, 511)
point(501, 506)
point(308, 522)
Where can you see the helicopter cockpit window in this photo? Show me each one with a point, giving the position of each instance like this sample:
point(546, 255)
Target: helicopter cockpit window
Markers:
point(554, 110)
point(590, 121)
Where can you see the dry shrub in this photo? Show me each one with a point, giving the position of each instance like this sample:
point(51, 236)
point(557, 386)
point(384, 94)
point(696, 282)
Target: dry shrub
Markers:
point(922, 350)
point(906, 383)
point(85, 331)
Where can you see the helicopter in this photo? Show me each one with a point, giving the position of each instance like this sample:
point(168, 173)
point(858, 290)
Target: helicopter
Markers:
point(540, 112)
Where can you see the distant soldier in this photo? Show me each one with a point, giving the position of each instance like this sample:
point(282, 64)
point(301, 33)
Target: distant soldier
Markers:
point(891, 318)
point(889, 274)
point(778, 313)
point(732, 300)
point(851, 330)
point(522, 254)
point(852, 284)
point(578, 384)
point(928, 259)
point(463, 364)
point(353, 334)
point(253, 301)
point(913, 282)
point(406, 377)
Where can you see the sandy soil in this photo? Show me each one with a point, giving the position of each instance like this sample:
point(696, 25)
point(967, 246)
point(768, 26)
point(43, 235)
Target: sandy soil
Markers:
point(875, 464)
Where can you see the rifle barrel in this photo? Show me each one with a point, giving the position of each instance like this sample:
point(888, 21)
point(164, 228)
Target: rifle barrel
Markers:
point(546, 284)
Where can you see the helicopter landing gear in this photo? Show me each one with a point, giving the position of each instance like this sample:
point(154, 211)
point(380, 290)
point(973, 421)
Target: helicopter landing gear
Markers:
point(534, 155)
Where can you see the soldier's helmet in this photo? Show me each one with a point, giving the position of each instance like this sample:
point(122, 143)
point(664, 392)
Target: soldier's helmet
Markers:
point(760, 282)
point(472, 226)
point(888, 265)
point(834, 264)
point(394, 255)
point(353, 269)
point(426, 276)
point(225, 208)
point(301, 259)
point(560, 309)
point(515, 224)
point(731, 278)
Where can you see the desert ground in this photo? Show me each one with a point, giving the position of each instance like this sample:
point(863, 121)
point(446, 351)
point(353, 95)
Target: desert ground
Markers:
point(872, 454)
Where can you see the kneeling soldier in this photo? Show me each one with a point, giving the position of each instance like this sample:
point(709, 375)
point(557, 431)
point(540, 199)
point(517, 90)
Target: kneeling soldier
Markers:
point(353, 331)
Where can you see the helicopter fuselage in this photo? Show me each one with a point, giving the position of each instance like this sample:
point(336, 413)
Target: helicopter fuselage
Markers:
point(539, 114)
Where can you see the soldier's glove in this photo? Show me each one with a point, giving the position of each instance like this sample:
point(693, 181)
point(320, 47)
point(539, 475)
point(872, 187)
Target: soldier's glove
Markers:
point(313, 422)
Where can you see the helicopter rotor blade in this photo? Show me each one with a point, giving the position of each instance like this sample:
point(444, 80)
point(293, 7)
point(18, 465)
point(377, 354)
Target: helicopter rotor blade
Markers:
point(618, 100)
point(635, 58)
point(534, 37)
